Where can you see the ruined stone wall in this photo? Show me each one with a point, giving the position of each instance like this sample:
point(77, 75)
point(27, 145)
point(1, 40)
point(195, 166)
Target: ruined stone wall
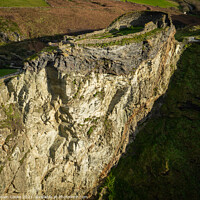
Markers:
point(140, 19)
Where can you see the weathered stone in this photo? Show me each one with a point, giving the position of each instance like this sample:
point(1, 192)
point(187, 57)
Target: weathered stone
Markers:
point(80, 107)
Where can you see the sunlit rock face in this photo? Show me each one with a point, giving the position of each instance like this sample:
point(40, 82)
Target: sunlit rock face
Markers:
point(66, 120)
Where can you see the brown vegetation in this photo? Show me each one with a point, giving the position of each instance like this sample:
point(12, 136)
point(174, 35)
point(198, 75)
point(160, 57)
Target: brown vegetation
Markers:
point(65, 17)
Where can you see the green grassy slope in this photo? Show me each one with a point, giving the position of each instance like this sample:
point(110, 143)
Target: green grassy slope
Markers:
point(187, 32)
point(164, 161)
point(160, 3)
point(4, 72)
point(23, 3)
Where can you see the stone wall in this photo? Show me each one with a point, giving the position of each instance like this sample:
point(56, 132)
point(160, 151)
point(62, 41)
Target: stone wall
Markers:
point(140, 19)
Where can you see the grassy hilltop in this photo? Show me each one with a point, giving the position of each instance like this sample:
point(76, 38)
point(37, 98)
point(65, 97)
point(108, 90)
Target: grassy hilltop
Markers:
point(160, 3)
point(41, 3)
point(23, 3)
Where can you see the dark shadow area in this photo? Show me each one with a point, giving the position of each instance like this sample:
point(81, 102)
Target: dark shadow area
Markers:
point(56, 86)
point(80, 32)
point(116, 99)
point(99, 4)
point(180, 21)
point(13, 54)
point(139, 19)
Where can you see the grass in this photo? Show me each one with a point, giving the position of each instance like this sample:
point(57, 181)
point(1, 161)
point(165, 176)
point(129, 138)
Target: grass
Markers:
point(17, 52)
point(91, 129)
point(125, 41)
point(186, 32)
point(48, 49)
point(100, 94)
point(126, 31)
point(4, 72)
point(7, 25)
point(23, 3)
point(160, 3)
point(116, 33)
point(8, 28)
point(13, 121)
point(163, 162)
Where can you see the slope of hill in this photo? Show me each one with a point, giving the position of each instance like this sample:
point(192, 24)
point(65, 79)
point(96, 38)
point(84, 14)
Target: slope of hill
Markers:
point(23, 3)
point(160, 3)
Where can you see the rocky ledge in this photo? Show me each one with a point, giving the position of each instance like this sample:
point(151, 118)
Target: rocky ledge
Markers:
point(66, 120)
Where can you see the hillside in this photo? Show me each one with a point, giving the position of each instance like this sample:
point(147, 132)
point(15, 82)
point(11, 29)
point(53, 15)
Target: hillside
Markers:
point(84, 92)
point(66, 118)
point(73, 16)
point(23, 3)
point(32, 28)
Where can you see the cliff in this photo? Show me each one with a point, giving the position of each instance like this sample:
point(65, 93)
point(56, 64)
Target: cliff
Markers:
point(67, 118)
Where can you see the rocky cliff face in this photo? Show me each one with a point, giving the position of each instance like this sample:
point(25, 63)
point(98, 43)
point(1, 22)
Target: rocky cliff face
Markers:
point(66, 120)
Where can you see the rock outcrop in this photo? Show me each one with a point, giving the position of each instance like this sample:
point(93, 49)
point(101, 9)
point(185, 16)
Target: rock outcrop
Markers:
point(66, 120)
point(9, 31)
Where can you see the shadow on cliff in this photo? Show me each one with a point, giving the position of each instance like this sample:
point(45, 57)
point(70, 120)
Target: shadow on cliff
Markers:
point(13, 54)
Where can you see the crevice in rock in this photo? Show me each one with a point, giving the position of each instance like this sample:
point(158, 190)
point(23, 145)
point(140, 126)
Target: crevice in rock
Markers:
point(116, 99)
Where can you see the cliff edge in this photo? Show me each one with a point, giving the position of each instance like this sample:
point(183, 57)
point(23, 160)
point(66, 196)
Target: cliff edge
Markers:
point(67, 118)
